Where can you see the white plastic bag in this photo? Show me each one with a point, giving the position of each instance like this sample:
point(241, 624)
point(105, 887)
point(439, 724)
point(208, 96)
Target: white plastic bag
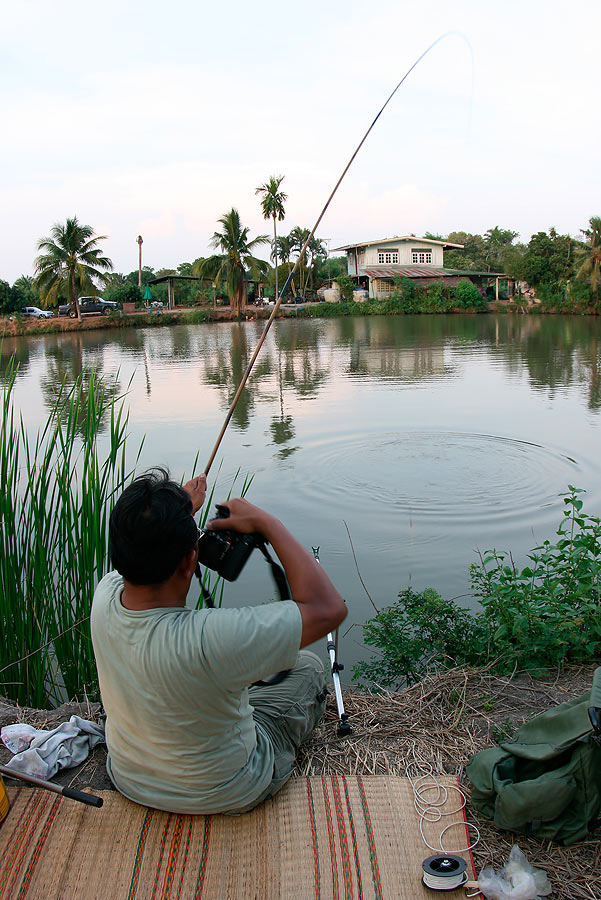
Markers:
point(518, 880)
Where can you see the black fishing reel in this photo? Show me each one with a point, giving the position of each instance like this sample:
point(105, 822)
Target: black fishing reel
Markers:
point(226, 552)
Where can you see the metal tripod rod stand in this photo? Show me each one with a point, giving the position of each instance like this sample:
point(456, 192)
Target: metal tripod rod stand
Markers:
point(344, 728)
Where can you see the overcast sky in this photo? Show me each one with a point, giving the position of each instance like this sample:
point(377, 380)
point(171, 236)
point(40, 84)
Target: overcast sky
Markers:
point(156, 118)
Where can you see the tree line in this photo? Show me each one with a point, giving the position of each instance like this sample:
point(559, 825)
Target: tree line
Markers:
point(564, 271)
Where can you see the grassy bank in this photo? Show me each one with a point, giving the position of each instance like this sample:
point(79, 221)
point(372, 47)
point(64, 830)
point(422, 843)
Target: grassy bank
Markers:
point(25, 326)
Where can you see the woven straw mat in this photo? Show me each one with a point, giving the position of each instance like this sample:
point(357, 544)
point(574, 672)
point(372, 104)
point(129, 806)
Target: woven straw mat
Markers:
point(321, 838)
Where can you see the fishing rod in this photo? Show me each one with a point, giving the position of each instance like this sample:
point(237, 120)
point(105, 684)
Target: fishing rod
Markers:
point(278, 300)
point(344, 728)
point(71, 793)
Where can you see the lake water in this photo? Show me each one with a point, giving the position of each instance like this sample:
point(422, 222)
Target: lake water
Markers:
point(428, 437)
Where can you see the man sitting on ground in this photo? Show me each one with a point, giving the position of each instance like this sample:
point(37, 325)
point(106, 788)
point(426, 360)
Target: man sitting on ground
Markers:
point(185, 732)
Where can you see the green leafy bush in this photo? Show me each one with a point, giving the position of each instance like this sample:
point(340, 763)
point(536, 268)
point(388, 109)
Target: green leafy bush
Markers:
point(545, 614)
point(467, 295)
point(419, 632)
point(347, 286)
point(124, 293)
point(549, 611)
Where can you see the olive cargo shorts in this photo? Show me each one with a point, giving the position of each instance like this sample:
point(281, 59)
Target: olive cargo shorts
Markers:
point(288, 712)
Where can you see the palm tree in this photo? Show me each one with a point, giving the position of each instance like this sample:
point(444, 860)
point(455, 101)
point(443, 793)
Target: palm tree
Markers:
point(70, 262)
point(272, 206)
point(316, 250)
point(591, 266)
point(284, 248)
point(236, 260)
point(298, 236)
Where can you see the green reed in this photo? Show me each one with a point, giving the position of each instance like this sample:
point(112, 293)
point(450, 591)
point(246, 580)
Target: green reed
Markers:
point(57, 491)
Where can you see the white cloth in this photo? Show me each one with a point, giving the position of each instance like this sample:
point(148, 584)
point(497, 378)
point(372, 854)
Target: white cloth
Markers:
point(43, 753)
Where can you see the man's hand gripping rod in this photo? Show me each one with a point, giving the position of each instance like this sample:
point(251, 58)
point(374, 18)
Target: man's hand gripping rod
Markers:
point(344, 729)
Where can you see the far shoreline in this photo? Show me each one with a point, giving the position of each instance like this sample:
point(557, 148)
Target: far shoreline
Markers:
point(17, 327)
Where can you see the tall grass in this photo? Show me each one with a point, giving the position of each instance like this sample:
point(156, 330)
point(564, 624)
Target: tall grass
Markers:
point(57, 490)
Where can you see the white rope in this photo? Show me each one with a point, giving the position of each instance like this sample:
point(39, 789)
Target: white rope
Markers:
point(430, 810)
point(429, 799)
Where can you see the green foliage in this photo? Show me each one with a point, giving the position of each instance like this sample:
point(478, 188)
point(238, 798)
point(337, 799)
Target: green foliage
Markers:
point(467, 295)
point(330, 268)
point(235, 261)
point(589, 257)
point(406, 299)
point(473, 255)
point(54, 506)
point(197, 317)
point(548, 612)
point(347, 286)
point(5, 297)
point(419, 632)
point(70, 262)
point(543, 615)
point(549, 259)
point(124, 293)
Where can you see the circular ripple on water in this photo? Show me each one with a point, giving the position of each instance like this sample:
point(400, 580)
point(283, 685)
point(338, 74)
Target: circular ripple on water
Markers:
point(446, 476)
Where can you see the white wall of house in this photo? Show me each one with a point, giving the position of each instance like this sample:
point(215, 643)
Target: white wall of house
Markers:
point(406, 252)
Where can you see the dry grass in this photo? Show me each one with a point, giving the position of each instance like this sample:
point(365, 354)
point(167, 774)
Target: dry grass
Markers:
point(441, 722)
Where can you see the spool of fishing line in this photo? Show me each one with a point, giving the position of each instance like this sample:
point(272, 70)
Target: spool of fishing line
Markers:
point(444, 872)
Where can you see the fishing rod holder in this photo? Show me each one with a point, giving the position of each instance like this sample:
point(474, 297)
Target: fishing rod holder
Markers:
point(336, 667)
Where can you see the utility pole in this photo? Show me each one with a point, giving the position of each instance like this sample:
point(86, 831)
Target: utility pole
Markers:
point(140, 242)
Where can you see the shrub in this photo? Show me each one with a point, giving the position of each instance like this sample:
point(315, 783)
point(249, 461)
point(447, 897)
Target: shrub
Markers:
point(467, 295)
point(124, 293)
point(419, 632)
point(549, 611)
point(347, 286)
point(543, 615)
point(198, 317)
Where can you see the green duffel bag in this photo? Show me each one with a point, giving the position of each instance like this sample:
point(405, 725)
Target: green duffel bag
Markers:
point(546, 781)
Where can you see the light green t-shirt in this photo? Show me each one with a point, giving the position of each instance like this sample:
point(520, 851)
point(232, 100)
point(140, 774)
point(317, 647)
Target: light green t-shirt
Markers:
point(174, 685)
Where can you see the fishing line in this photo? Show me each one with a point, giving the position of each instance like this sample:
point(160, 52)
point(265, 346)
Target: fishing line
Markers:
point(278, 300)
point(445, 871)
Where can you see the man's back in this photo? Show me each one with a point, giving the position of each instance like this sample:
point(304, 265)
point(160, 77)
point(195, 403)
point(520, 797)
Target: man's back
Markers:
point(174, 684)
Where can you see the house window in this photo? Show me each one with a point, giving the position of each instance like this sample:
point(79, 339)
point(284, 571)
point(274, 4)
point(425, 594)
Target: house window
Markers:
point(421, 256)
point(383, 287)
point(388, 256)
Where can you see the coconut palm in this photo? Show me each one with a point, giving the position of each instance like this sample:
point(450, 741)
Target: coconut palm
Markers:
point(591, 265)
point(272, 206)
point(236, 260)
point(70, 262)
point(284, 248)
point(298, 236)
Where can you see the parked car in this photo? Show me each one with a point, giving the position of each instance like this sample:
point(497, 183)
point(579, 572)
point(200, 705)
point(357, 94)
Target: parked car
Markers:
point(90, 306)
point(37, 313)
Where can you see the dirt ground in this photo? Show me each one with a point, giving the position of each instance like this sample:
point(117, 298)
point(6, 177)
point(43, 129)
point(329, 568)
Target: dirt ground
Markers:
point(440, 722)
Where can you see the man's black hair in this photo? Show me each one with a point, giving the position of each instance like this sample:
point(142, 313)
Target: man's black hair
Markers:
point(151, 528)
